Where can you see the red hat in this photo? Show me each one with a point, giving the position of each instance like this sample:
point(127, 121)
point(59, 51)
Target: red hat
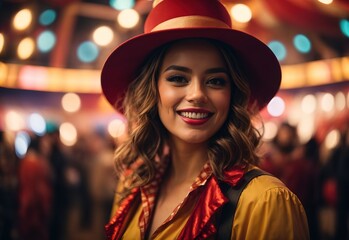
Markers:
point(173, 20)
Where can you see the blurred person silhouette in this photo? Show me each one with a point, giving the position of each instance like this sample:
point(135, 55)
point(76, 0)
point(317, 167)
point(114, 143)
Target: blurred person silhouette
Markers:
point(8, 189)
point(301, 175)
point(35, 193)
point(339, 164)
point(298, 166)
point(60, 199)
point(281, 150)
point(192, 86)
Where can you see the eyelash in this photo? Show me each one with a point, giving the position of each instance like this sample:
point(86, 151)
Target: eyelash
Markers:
point(177, 79)
point(213, 82)
point(221, 82)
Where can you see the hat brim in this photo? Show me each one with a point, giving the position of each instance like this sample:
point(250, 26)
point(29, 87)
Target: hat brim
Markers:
point(259, 64)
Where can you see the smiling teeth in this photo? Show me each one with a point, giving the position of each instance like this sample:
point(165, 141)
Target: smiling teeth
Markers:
point(194, 115)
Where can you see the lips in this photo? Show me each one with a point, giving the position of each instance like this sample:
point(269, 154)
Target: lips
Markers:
point(195, 116)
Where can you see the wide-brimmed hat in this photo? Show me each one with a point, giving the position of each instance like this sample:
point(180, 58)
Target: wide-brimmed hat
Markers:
point(172, 20)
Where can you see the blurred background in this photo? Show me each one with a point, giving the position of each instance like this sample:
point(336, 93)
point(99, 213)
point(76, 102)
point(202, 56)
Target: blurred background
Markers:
point(58, 133)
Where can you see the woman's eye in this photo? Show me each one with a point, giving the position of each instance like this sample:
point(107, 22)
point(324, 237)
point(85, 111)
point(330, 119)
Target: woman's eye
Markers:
point(177, 79)
point(217, 82)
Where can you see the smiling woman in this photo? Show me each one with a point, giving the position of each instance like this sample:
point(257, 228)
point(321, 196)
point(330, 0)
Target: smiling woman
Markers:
point(194, 91)
point(189, 88)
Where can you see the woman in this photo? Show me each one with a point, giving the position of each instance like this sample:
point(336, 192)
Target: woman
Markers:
point(192, 85)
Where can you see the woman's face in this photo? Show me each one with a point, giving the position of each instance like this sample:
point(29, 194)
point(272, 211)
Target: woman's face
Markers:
point(195, 90)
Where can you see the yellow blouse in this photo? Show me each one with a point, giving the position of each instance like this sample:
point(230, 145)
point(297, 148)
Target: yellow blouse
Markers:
point(267, 209)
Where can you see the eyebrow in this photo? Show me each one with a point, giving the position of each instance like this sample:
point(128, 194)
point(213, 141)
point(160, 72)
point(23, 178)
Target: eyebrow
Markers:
point(188, 70)
point(179, 68)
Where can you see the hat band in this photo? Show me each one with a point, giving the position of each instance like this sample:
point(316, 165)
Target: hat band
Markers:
point(190, 22)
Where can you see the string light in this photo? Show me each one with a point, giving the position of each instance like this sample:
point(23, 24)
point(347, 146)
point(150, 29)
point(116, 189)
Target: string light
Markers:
point(103, 35)
point(276, 107)
point(128, 18)
point(25, 48)
point(241, 13)
point(22, 19)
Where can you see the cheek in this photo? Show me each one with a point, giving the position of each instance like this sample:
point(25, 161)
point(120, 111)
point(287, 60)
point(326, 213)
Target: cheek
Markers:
point(168, 96)
point(222, 101)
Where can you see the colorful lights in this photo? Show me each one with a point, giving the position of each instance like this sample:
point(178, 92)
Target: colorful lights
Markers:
point(103, 35)
point(47, 17)
point(46, 41)
point(326, 1)
point(308, 104)
point(276, 107)
point(116, 128)
point(344, 26)
point(32, 77)
point(71, 102)
point(340, 101)
point(22, 141)
point(2, 42)
point(241, 13)
point(332, 139)
point(37, 124)
point(22, 19)
point(122, 4)
point(87, 52)
point(302, 43)
point(25, 48)
point(327, 102)
point(270, 130)
point(14, 121)
point(68, 134)
point(278, 49)
point(128, 18)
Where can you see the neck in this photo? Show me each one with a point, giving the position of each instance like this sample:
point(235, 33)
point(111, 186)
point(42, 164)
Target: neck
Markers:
point(187, 161)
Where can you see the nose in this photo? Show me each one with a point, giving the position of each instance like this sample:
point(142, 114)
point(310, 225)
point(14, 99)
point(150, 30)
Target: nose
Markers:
point(196, 91)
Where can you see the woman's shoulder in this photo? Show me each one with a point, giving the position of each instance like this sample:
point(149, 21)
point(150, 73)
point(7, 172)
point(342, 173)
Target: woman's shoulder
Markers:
point(267, 187)
point(267, 197)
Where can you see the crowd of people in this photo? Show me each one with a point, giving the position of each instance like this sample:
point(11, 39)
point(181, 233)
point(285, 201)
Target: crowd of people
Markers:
point(55, 192)
point(321, 182)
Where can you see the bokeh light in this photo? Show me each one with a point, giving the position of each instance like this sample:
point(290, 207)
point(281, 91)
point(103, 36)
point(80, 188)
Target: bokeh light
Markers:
point(302, 43)
point(308, 104)
point(332, 139)
point(326, 1)
point(276, 107)
point(2, 42)
point(25, 48)
point(128, 18)
point(327, 102)
point(14, 121)
point(340, 101)
point(22, 141)
point(46, 41)
point(47, 17)
point(241, 13)
point(87, 52)
point(270, 130)
point(344, 26)
point(278, 49)
point(103, 35)
point(22, 19)
point(306, 128)
point(71, 102)
point(116, 128)
point(68, 134)
point(37, 124)
point(122, 4)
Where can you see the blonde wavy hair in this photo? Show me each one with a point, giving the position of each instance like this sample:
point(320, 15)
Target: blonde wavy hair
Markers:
point(234, 143)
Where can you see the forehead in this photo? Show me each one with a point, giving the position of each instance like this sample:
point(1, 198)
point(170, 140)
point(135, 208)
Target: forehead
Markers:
point(194, 52)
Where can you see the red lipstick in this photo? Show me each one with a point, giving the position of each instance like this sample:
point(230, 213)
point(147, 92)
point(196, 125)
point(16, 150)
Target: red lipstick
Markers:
point(194, 116)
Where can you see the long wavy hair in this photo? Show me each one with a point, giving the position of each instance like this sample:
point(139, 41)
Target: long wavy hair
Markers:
point(234, 143)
